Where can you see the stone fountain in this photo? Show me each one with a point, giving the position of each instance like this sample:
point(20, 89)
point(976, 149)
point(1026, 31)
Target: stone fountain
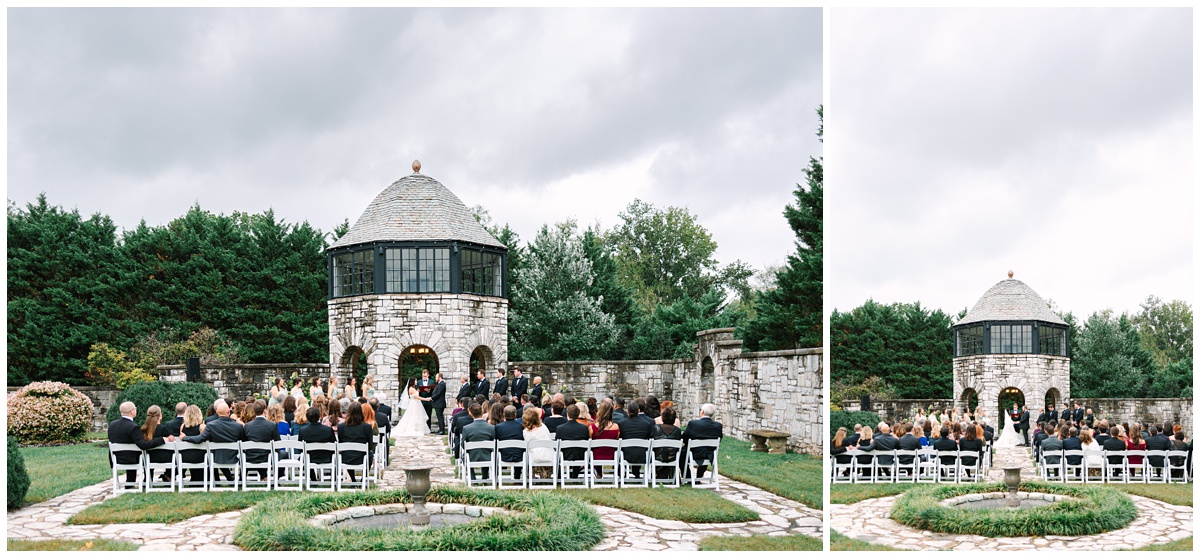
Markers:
point(1012, 479)
point(416, 481)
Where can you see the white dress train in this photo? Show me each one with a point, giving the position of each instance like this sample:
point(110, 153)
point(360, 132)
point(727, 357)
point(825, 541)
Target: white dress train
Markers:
point(1010, 438)
point(414, 421)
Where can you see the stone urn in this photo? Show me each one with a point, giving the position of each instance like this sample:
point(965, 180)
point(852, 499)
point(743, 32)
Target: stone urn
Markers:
point(416, 481)
point(1012, 479)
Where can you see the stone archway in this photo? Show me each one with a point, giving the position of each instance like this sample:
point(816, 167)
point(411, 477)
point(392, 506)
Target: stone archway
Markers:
point(413, 359)
point(1053, 397)
point(707, 380)
point(481, 359)
point(968, 400)
point(354, 363)
point(1005, 401)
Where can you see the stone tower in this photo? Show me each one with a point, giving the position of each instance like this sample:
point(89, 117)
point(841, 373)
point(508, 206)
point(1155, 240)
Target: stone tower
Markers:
point(417, 274)
point(1010, 344)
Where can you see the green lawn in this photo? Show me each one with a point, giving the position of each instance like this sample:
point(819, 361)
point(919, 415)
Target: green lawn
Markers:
point(837, 541)
point(1177, 494)
point(57, 470)
point(851, 493)
point(89, 544)
point(761, 542)
point(1179, 545)
point(166, 507)
point(693, 505)
point(795, 476)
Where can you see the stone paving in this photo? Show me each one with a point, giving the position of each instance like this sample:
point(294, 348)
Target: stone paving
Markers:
point(626, 530)
point(870, 521)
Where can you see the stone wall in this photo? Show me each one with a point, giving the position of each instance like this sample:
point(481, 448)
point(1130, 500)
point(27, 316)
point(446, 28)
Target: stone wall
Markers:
point(988, 375)
point(892, 410)
point(384, 326)
point(1145, 411)
point(101, 398)
point(776, 390)
point(239, 381)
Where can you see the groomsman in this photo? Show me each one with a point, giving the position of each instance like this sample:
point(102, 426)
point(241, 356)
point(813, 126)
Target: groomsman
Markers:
point(481, 384)
point(464, 389)
point(535, 395)
point(1077, 414)
point(1041, 418)
point(501, 382)
point(438, 395)
point(520, 385)
point(1065, 416)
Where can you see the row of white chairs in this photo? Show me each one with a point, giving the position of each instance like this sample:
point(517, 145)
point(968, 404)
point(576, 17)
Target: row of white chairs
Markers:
point(925, 465)
point(1103, 466)
point(289, 466)
point(589, 472)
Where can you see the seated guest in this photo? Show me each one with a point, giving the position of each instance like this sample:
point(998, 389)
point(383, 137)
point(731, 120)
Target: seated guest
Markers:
point(865, 439)
point(496, 413)
point(604, 429)
point(289, 409)
point(972, 445)
point(907, 442)
point(1155, 442)
point(573, 430)
point(275, 415)
point(125, 431)
point(944, 443)
point(211, 414)
point(248, 413)
point(666, 430)
point(333, 414)
point(641, 404)
point(301, 419)
point(652, 409)
point(619, 412)
point(478, 430)
point(1114, 444)
point(662, 407)
point(369, 418)
point(1101, 434)
point(260, 429)
point(585, 418)
point(1091, 449)
point(1073, 443)
point(1052, 446)
point(237, 410)
point(838, 447)
point(355, 430)
point(458, 422)
point(316, 432)
point(703, 428)
point(222, 430)
point(852, 437)
point(193, 425)
point(989, 433)
point(153, 428)
point(176, 423)
point(557, 415)
point(533, 429)
point(383, 414)
point(592, 407)
point(511, 429)
point(635, 428)
point(1179, 443)
point(1135, 442)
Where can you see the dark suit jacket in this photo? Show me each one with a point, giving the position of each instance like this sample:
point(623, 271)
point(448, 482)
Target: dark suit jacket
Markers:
point(357, 434)
point(988, 433)
point(318, 434)
point(572, 431)
point(881, 444)
point(511, 430)
point(1052, 448)
point(1023, 424)
point(520, 386)
point(174, 425)
point(479, 431)
point(387, 411)
point(481, 388)
point(1089, 420)
point(464, 390)
point(1113, 444)
point(209, 419)
point(260, 430)
point(619, 415)
point(851, 440)
point(501, 386)
point(908, 442)
point(946, 444)
point(125, 431)
point(456, 429)
point(438, 395)
point(1077, 415)
point(975, 446)
point(553, 422)
point(161, 455)
point(222, 430)
point(1157, 443)
point(1042, 417)
point(535, 395)
point(1064, 415)
point(1073, 443)
point(703, 428)
point(634, 428)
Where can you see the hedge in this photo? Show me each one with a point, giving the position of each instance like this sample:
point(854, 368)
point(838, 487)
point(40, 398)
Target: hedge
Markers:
point(165, 395)
point(546, 522)
point(18, 477)
point(1097, 509)
point(847, 419)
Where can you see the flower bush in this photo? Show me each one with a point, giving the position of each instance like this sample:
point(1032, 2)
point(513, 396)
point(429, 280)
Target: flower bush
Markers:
point(48, 413)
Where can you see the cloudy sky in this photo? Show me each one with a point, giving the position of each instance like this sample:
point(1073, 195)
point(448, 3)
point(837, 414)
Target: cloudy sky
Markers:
point(538, 115)
point(965, 143)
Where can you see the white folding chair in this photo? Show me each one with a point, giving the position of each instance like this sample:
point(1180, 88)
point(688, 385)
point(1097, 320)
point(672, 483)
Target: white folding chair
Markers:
point(665, 447)
point(864, 466)
point(580, 466)
point(1135, 472)
point(883, 472)
point(325, 473)
point(926, 465)
point(481, 472)
point(289, 464)
point(346, 470)
point(692, 465)
point(1073, 471)
point(1093, 474)
point(1114, 466)
point(217, 482)
point(380, 461)
point(1053, 465)
point(119, 469)
point(842, 472)
point(905, 468)
point(1177, 466)
point(626, 477)
point(947, 469)
point(511, 474)
point(263, 471)
point(185, 455)
point(969, 472)
point(1156, 474)
point(603, 472)
point(547, 482)
point(155, 469)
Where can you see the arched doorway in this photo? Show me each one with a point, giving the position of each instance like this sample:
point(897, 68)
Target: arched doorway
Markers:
point(1052, 397)
point(707, 380)
point(354, 362)
point(1008, 396)
point(969, 400)
point(481, 359)
point(414, 359)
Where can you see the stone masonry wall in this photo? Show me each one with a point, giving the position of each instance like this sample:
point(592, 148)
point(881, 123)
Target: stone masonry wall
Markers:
point(988, 375)
point(892, 410)
point(239, 381)
point(1145, 411)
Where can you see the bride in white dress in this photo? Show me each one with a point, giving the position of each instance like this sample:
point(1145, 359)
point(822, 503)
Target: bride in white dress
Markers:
point(414, 421)
point(1010, 438)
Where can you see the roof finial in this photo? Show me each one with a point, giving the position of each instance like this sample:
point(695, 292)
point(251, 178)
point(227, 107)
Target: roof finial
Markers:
point(1009, 271)
point(417, 170)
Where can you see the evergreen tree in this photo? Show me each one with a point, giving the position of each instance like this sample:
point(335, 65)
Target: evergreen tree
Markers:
point(670, 331)
point(789, 315)
point(1110, 360)
point(616, 299)
point(908, 348)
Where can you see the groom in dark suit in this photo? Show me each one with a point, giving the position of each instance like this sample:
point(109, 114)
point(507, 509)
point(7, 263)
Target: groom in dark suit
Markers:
point(1023, 424)
point(438, 395)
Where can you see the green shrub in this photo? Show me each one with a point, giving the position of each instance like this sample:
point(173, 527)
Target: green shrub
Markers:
point(48, 413)
point(847, 420)
point(1096, 509)
point(545, 522)
point(18, 477)
point(165, 395)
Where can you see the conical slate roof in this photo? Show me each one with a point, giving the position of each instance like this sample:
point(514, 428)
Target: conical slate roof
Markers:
point(416, 208)
point(1010, 300)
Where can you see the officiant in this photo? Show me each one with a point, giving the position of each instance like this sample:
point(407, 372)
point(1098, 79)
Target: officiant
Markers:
point(424, 390)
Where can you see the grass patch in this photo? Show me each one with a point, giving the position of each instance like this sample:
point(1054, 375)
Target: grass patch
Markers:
point(692, 505)
point(57, 470)
point(545, 521)
point(851, 493)
point(1179, 545)
point(761, 542)
point(1096, 510)
point(840, 542)
point(1176, 494)
point(61, 544)
point(166, 507)
point(796, 476)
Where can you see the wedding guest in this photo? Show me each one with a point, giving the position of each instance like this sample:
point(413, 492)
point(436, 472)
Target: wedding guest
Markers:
point(154, 428)
point(1052, 446)
point(838, 447)
point(1101, 433)
point(907, 442)
point(289, 409)
point(1073, 443)
point(666, 430)
point(333, 415)
point(852, 439)
point(193, 425)
point(592, 407)
point(222, 430)
point(924, 438)
point(1157, 442)
point(369, 418)
point(653, 409)
point(1115, 443)
point(604, 429)
point(972, 445)
point(557, 416)
point(635, 428)
point(864, 444)
point(317, 432)
point(619, 413)
point(1091, 450)
point(236, 412)
point(575, 429)
point(882, 445)
point(510, 428)
point(1135, 442)
point(541, 459)
point(275, 415)
point(496, 414)
point(662, 407)
point(945, 443)
point(300, 420)
point(355, 430)
point(585, 416)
